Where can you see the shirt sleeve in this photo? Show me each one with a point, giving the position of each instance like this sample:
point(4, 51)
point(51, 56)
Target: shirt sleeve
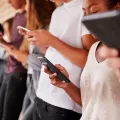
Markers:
point(53, 26)
point(85, 31)
point(33, 60)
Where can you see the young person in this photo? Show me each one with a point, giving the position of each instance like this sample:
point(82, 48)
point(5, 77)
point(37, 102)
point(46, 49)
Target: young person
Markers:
point(14, 84)
point(65, 45)
point(38, 16)
point(99, 85)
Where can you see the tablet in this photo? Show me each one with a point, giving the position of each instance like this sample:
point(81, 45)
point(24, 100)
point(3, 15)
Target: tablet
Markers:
point(105, 26)
point(53, 69)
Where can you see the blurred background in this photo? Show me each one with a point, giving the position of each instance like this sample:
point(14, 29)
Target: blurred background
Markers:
point(6, 11)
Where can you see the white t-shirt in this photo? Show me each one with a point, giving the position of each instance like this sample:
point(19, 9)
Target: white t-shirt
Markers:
point(66, 25)
point(100, 90)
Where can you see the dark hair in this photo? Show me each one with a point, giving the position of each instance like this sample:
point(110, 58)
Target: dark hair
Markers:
point(39, 13)
point(112, 3)
point(1, 29)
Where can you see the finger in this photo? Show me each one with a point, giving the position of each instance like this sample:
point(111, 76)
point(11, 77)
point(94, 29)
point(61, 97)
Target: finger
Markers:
point(31, 33)
point(114, 62)
point(32, 39)
point(52, 76)
point(56, 81)
point(33, 43)
point(46, 70)
point(108, 52)
point(22, 32)
point(58, 66)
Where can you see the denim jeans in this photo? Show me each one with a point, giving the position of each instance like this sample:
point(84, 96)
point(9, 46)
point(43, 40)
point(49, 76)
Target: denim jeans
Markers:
point(45, 111)
point(11, 95)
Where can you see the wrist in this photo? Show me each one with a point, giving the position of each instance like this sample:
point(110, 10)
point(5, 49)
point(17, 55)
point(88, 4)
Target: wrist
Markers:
point(67, 86)
point(53, 41)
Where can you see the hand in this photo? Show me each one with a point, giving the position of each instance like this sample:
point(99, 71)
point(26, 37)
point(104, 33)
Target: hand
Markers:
point(40, 37)
point(11, 50)
point(113, 59)
point(108, 52)
point(53, 77)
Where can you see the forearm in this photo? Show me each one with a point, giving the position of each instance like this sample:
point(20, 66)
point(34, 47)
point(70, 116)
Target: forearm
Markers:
point(74, 93)
point(75, 55)
point(21, 56)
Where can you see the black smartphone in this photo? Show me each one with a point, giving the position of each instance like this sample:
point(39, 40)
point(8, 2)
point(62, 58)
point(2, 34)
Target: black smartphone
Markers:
point(1, 29)
point(53, 69)
point(105, 26)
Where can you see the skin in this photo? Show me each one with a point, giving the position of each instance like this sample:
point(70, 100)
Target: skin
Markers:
point(17, 4)
point(89, 7)
point(113, 58)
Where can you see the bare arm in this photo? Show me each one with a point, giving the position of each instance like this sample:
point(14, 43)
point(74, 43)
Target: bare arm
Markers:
point(74, 93)
point(69, 88)
point(77, 56)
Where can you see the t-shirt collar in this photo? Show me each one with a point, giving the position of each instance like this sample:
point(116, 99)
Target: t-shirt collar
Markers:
point(73, 3)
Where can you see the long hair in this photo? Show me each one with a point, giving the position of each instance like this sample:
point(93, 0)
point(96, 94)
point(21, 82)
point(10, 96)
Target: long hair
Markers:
point(39, 14)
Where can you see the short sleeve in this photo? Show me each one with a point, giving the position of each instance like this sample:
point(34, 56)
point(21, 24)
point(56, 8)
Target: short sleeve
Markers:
point(85, 31)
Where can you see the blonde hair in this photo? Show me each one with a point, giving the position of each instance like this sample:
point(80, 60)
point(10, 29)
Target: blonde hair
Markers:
point(38, 16)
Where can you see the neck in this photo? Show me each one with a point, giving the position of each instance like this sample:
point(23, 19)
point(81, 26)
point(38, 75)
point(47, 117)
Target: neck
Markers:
point(67, 1)
point(22, 9)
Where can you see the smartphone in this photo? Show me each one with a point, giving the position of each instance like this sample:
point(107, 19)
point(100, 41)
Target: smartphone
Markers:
point(105, 26)
point(1, 29)
point(22, 30)
point(53, 69)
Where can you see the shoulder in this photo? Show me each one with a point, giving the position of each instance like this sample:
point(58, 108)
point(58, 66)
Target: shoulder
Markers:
point(57, 11)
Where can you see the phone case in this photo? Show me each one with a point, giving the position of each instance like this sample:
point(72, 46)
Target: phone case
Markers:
point(105, 26)
point(53, 69)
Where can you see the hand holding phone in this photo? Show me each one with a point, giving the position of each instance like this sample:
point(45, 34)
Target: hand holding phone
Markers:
point(22, 30)
point(53, 69)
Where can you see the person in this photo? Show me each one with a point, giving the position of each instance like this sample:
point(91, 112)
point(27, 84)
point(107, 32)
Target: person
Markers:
point(7, 25)
point(99, 85)
point(40, 12)
point(64, 46)
point(14, 83)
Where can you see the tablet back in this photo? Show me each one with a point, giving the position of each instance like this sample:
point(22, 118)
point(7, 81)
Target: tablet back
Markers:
point(105, 26)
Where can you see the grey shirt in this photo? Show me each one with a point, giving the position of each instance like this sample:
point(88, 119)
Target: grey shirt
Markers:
point(35, 64)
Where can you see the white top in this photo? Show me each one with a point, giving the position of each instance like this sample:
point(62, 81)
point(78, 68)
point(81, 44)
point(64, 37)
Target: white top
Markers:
point(30, 70)
point(100, 90)
point(66, 25)
point(85, 31)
